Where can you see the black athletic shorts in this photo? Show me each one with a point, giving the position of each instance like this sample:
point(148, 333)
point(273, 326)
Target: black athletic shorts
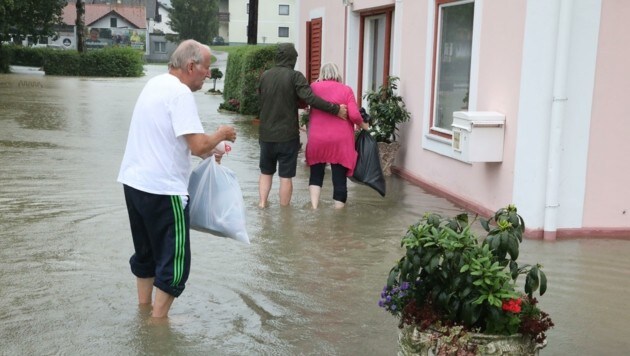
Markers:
point(282, 155)
point(161, 239)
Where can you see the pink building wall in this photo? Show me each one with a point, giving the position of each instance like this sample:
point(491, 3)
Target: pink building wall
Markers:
point(513, 70)
point(480, 186)
point(333, 15)
point(608, 177)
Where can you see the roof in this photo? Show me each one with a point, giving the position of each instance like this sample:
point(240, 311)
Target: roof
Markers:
point(136, 15)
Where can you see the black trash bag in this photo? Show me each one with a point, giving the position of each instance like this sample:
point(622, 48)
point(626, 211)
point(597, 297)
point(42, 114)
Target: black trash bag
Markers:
point(368, 169)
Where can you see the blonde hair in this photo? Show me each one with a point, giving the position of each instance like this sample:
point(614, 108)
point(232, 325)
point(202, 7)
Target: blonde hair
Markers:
point(189, 50)
point(330, 71)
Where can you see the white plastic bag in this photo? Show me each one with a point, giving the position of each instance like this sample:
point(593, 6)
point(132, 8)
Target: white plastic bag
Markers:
point(216, 201)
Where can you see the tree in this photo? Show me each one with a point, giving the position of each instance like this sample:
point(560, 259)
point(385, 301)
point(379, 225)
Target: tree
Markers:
point(194, 19)
point(21, 18)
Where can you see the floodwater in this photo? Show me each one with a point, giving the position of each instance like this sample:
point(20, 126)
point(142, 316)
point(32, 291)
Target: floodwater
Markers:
point(308, 284)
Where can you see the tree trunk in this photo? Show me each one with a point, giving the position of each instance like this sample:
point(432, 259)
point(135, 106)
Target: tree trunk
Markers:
point(80, 26)
point(252, 26)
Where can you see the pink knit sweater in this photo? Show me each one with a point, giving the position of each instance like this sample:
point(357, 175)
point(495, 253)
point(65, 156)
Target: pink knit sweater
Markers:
point(331, 139)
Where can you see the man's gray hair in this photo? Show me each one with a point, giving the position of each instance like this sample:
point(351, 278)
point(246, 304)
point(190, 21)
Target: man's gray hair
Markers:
point(330, 71)
point(189, 50)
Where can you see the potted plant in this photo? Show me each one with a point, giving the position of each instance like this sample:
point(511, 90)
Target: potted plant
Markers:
point(386, 109)
point(456, 294)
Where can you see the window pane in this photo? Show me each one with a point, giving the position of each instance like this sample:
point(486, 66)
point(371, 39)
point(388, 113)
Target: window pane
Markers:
point(283, 32)
point(453, 77)
point(160, 47)
point(283, 10)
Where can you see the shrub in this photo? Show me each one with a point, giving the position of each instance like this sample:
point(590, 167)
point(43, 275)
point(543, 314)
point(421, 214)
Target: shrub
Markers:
point(243, 71)
point(108, 62)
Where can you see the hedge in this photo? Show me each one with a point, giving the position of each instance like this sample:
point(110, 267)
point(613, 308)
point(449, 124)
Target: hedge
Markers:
point(243, 71)
point(108, 62)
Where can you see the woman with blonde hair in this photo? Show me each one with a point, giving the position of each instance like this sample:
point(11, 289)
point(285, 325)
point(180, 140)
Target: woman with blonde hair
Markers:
point(330, 139)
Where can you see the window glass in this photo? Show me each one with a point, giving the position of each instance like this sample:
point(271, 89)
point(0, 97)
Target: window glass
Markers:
point(160, 47)
point(374, 53)
point(452, 70)
point(283, 10)
point(283, 32)
point(113, 22)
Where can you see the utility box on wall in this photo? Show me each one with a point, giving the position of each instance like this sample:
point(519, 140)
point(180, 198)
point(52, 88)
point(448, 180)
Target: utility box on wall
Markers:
point(478, 136)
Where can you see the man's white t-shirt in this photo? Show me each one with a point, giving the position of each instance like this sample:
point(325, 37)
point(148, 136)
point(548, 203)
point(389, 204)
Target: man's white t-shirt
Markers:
point(157, 157)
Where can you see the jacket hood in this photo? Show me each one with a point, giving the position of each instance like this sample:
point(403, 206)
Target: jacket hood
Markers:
point(286, 55)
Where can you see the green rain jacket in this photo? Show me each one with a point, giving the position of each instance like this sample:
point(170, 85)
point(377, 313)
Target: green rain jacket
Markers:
point(280, 89)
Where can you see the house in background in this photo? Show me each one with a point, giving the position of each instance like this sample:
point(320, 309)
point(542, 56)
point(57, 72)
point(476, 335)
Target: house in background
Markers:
point(161, 23)
point(140, 24)
point(512, 101)
point(276, 21)
point(224, 20)
point(108, 24)
point(160, 46)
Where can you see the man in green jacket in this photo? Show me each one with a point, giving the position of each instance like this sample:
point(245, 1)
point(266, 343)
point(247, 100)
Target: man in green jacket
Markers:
point(281, 88)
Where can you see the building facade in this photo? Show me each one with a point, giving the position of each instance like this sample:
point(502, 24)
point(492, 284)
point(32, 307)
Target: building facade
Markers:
point(277, 21)
point(511, 101)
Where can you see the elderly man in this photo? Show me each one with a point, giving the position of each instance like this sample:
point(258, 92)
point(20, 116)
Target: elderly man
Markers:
point(165, 130)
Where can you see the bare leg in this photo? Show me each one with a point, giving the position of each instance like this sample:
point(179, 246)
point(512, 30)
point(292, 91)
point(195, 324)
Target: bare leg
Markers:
point(162, 304)
point(315, 191)
point(145, 290)
point(264, 187)
point(286, 190)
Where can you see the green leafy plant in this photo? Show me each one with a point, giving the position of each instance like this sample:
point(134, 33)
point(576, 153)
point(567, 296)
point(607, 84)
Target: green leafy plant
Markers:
point(449, 277)
point(387, 109)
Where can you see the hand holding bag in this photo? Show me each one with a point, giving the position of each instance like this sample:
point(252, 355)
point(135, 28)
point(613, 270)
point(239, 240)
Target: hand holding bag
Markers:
point(216, 201)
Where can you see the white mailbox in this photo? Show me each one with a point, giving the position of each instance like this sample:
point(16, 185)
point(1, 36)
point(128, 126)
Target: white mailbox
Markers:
point(478, 136)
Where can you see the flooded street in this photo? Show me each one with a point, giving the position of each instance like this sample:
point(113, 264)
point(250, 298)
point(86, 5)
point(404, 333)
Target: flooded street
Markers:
point(308, 284)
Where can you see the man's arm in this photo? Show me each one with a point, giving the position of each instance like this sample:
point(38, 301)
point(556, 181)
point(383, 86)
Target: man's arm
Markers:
point(202, 144)
point(305, 93)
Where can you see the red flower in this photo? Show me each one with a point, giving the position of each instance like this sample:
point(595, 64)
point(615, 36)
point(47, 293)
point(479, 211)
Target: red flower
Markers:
point(512, 305)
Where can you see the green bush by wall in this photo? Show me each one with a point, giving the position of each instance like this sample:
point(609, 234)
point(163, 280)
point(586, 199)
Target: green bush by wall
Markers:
point(244, 68)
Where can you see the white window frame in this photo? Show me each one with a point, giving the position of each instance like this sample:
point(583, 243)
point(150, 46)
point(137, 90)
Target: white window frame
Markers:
point(431, 141)
point(160, 46)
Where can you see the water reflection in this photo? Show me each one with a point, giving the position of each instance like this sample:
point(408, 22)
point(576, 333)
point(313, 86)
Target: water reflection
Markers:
point(308, 284)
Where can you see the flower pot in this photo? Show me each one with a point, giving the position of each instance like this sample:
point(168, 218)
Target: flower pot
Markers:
point(387, 153)
point(425, 343)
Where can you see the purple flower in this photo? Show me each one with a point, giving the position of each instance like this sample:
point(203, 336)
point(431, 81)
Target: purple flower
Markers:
point(404, 285)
